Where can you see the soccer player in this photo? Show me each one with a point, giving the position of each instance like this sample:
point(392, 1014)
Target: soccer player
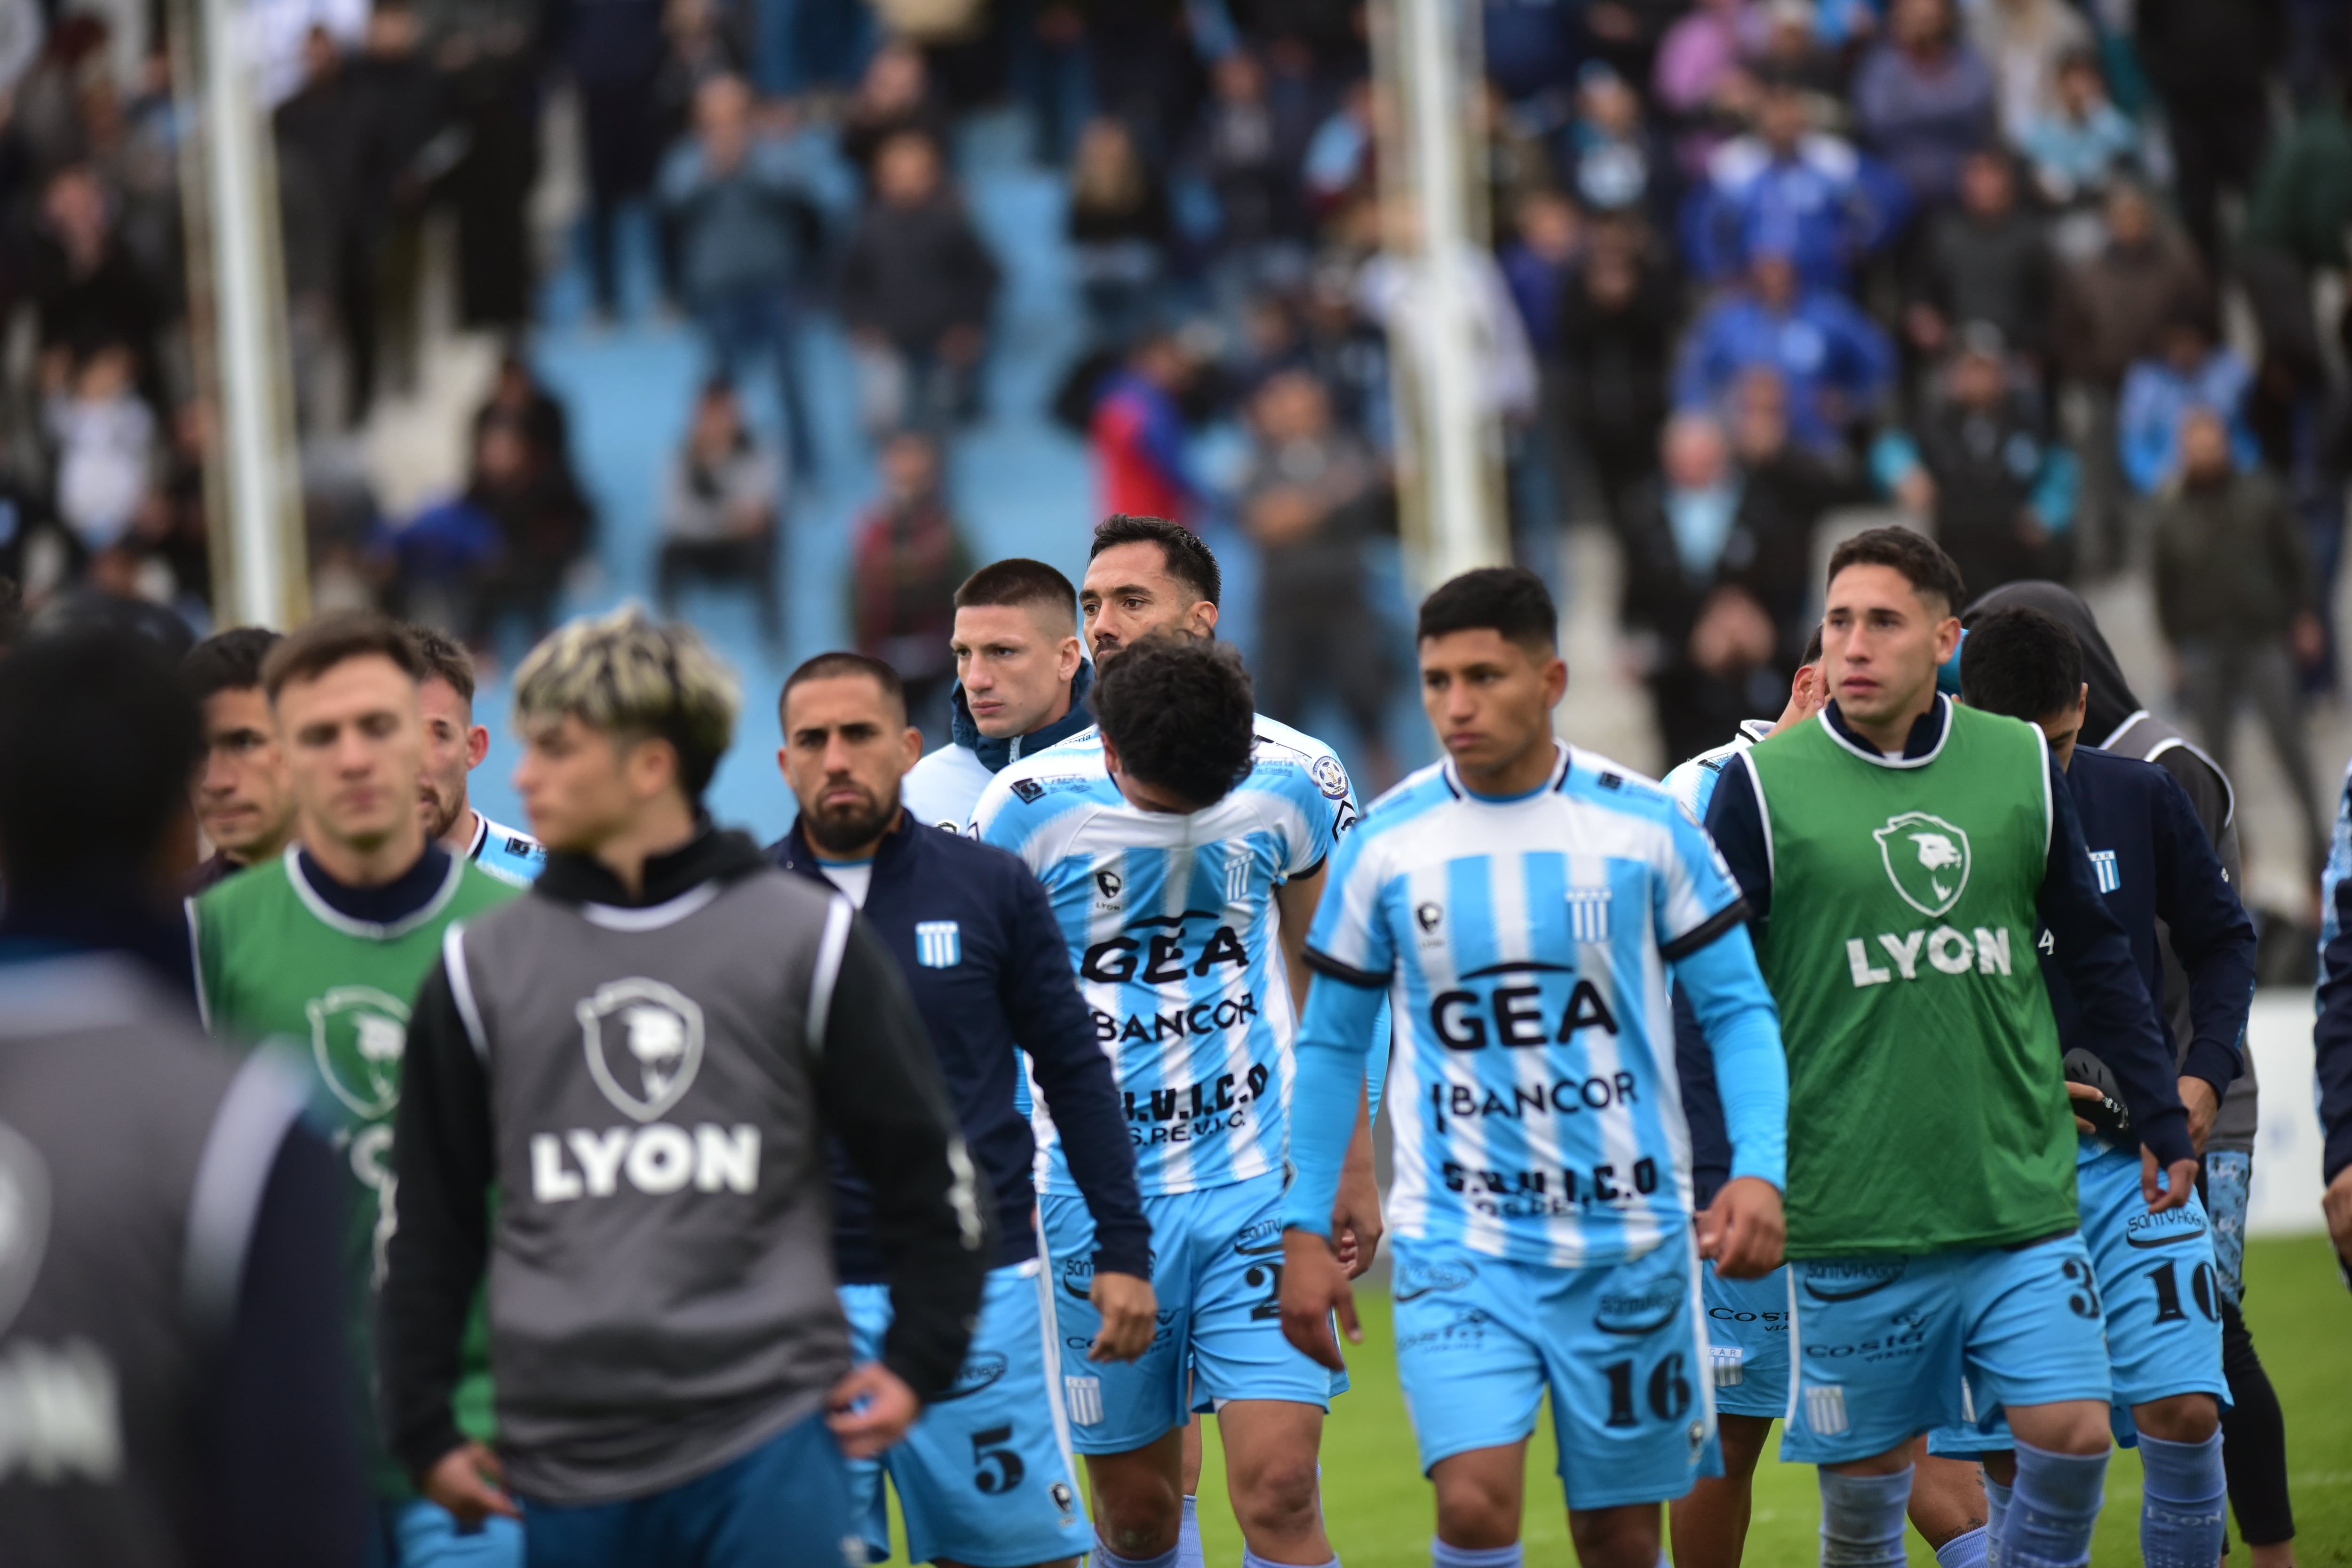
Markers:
point(1746, 1320)
point(242, 800)
point(2253, 1431)
point(1021, 685)
point(985, 1477)
point(176, 1388)
point(1168, 838)
point(643, 1059)
point(1899, 854)
point(2157, 1280)
point(1524, 904)
point(1146, 574)
point(327, 944)
point(453, 747)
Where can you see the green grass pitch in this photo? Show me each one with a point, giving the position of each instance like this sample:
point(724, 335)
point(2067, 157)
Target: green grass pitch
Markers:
point(1380, 1514)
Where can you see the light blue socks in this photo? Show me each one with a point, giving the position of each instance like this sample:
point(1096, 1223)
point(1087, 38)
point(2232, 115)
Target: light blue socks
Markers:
point(1861, 1519)
point(1104, 1557)
point(1445, 1556)
point(1188, 1536)
point(2052, 1508)
point(1252, 1560)
point(2180, 1510)
point(1996, 1510)
point(1964, 1550)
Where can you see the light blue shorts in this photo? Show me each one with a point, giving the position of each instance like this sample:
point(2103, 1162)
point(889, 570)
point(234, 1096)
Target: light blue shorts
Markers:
point(1882, 1345)
point(985, 1477)
point(1480, 1338)
point(1748, 1341)
point(423, 1535)
point(2162, 1296)
point(1216, 1268)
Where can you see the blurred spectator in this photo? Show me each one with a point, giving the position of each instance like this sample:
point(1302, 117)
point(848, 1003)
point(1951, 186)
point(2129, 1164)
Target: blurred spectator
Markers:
point(1312, 498)
point(517, 396)
point(1247, 152)
point(1613, 163)
point(615, 49)
point(1339, 160)
point(2191, 370)
point(104, 436)
point(492, 69)
point(401, 146)
point(905, 559)
point(2295, 222)
point(1624, 35)
point(1118, 231)
point(2001, 496)
point(541, 523)
point(1519, 161)
point(1700, 82)
point(2081, 141)
point(88, 291)
point(917, 286)
point(720, 512)
point(1790, 188)
point(1141, 466)
point(1617, 318)
point(1834, 360)
point(2233, 595)
point(893, 97)
point(706, 40)
point(740, 217)
point(1984, 260)
point(1704, 638)
point(2026, 42)
point(1537, 263)
point(2109, 310)
point(1532, 45)
point(1392, 290)
point(2212, 62)
point(1924, 99)
point(2301, 429)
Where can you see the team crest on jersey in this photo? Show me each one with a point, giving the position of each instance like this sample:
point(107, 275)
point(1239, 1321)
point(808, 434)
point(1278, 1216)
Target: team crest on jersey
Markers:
point(1926, 858)
point(1329, 777)
point(1029, 790)
point(644, 1041)
point(24, 1219)
point(358, 1036)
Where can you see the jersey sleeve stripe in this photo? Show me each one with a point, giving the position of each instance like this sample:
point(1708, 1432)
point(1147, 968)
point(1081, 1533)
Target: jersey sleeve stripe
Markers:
point(834, 942)
point(1346, 974)
point(1764, 812)
point(196, 957)
point(1731, 916)
point(461, 989)
point(262, 1102)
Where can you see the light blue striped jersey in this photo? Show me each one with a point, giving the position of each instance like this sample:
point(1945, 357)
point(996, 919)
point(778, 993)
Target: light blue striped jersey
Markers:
point(506, 853)
point(1525, 946)
point(1171, 927)
point(1692, 781)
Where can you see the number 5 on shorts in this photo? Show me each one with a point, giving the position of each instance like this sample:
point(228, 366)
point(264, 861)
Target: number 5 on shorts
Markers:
point(996, 1468)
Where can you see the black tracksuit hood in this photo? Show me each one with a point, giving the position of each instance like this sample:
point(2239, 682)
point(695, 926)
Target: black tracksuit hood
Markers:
point(2111, 700)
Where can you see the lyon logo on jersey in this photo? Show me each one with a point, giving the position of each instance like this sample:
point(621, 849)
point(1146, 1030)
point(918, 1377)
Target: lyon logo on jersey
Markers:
point(644, 1041)
point(1927, 859)
point(358, 1035)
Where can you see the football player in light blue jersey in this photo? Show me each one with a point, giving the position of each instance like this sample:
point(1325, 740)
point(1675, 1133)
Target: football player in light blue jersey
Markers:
point(1747, 1320)
point(455, 746)
point(1185, 927)
point(1524, 904)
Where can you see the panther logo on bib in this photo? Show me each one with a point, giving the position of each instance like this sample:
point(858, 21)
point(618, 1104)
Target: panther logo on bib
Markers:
point(358, 1035)
point(24, 1219)
point(1926, 858)
point(644, 1041)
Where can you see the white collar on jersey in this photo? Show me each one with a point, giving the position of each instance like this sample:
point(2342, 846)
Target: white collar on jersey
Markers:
point(1558, 779)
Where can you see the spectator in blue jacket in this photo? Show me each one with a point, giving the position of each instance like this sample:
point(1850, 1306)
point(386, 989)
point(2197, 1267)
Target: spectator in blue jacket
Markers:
point(1790, 188)
point(2191, 370)
point(977, 941)
point(1834, 360)
point(1925, 100)
point(737, 200)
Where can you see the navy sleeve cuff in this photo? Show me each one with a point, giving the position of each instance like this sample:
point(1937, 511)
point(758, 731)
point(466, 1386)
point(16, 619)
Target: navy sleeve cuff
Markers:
point(2214, 1062)
point(2166, 1136)
point(1127, 1250)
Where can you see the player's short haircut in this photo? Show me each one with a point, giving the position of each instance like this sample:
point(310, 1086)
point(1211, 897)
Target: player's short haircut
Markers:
point(624, 675)
point(227, 661)
point(1180, 712)
point(1021, 584)
point(836, 666)
point(317, 646)
point(1184, 555)
point(97, 739)
point(445, 658)
point(2022, 663)
point(1509, 601)
point(1813, 647)
point(1922, 562)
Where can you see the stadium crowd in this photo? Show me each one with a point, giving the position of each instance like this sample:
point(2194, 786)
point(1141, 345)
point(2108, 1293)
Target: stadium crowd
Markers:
point(1984, 262)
